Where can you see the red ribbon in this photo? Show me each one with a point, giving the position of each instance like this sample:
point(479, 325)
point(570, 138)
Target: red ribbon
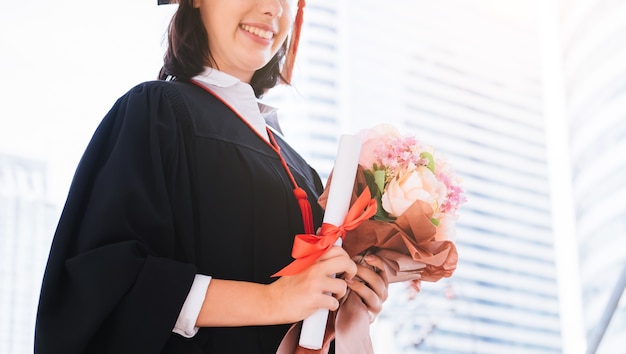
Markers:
point(307, 248)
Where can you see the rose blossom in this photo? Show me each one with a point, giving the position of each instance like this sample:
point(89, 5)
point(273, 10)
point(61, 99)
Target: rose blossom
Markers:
point(418, 184)
point(372, 139)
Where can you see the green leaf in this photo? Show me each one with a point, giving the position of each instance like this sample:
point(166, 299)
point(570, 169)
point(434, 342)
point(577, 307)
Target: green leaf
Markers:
point(434, 221)
point(371, 183)
point(431, 161)
point(381, 214)
point(379, 179)
point(376, 182)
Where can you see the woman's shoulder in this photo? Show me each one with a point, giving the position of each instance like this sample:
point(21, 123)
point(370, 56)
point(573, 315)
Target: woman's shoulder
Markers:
point(169, 90)
point(180, 95)
point(156, 105)
point(208, 114)
point(157, 99)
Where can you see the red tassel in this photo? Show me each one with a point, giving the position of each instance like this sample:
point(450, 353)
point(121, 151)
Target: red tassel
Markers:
point(299, 193)
point(290, 57)
point(305, 209)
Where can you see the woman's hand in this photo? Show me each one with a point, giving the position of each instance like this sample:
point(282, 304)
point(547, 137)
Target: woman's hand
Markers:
point(287, 300)
point(372, 286)
point(295, 297)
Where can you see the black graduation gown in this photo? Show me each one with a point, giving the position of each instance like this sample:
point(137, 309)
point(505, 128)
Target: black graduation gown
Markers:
point(172, 184)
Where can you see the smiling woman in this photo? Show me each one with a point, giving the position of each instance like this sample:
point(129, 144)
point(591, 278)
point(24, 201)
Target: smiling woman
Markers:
point(185, 203)
point(249, 43)
point(242, 37)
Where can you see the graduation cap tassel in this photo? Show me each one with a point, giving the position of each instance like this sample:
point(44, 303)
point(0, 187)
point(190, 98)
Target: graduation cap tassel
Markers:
point(303, 201)
point(290, 58)
point(305, 210)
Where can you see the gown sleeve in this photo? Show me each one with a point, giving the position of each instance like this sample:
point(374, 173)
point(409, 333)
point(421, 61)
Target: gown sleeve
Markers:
point(118, 271)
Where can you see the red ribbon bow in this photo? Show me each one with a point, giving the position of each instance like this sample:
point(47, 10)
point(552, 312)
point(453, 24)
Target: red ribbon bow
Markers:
point(307, 248)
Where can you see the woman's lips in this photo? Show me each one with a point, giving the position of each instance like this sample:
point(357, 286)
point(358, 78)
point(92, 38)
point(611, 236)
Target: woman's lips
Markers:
point(265, 34)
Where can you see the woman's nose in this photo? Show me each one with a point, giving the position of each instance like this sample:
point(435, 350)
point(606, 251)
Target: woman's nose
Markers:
point(273, 8)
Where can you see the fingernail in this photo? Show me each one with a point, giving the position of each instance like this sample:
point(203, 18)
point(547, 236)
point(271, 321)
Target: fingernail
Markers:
point(369, 258)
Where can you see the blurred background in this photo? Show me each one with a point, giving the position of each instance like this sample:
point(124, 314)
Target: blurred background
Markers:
point(527, 99)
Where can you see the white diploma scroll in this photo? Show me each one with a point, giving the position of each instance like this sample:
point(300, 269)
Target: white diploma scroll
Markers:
point(337, 205)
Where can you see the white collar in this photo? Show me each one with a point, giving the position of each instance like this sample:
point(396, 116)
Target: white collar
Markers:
point(217, 78)
point(240, 96)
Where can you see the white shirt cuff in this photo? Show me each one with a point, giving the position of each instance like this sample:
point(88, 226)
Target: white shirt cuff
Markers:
point(186, 322)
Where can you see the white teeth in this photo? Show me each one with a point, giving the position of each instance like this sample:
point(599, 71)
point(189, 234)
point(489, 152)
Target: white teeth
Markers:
point(259, 32)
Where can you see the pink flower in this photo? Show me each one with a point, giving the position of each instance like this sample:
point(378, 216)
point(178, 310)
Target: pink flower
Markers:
point(372, 140)
point(403, 170)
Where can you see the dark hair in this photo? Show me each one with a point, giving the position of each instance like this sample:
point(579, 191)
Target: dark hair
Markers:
point(188, 51)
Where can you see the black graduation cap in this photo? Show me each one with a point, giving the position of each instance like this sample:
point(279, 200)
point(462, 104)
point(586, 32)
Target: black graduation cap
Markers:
point(163, 2)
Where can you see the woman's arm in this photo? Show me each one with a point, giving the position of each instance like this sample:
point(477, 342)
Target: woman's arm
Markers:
point(287, 300)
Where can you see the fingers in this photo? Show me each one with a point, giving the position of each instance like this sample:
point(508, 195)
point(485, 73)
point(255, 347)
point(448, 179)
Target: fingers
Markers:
point(377, 263)
point(330, 302)
point(337, 261)
point(297, 296)
point(317, 287)
point(374, 281)
point(321, 276)
point(336, 286)
point(371, 286)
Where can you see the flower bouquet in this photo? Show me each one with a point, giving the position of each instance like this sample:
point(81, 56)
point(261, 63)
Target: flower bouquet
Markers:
point(403, 209)
point(418, 196)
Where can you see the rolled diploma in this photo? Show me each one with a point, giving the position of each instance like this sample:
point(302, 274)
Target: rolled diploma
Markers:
point(337, 205)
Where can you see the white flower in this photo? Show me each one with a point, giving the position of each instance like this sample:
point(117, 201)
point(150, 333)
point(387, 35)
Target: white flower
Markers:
point(406, 188)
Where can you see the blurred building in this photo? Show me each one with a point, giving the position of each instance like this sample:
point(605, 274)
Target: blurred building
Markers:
point(468, 81)
point(594, 56)
point(27, 222)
